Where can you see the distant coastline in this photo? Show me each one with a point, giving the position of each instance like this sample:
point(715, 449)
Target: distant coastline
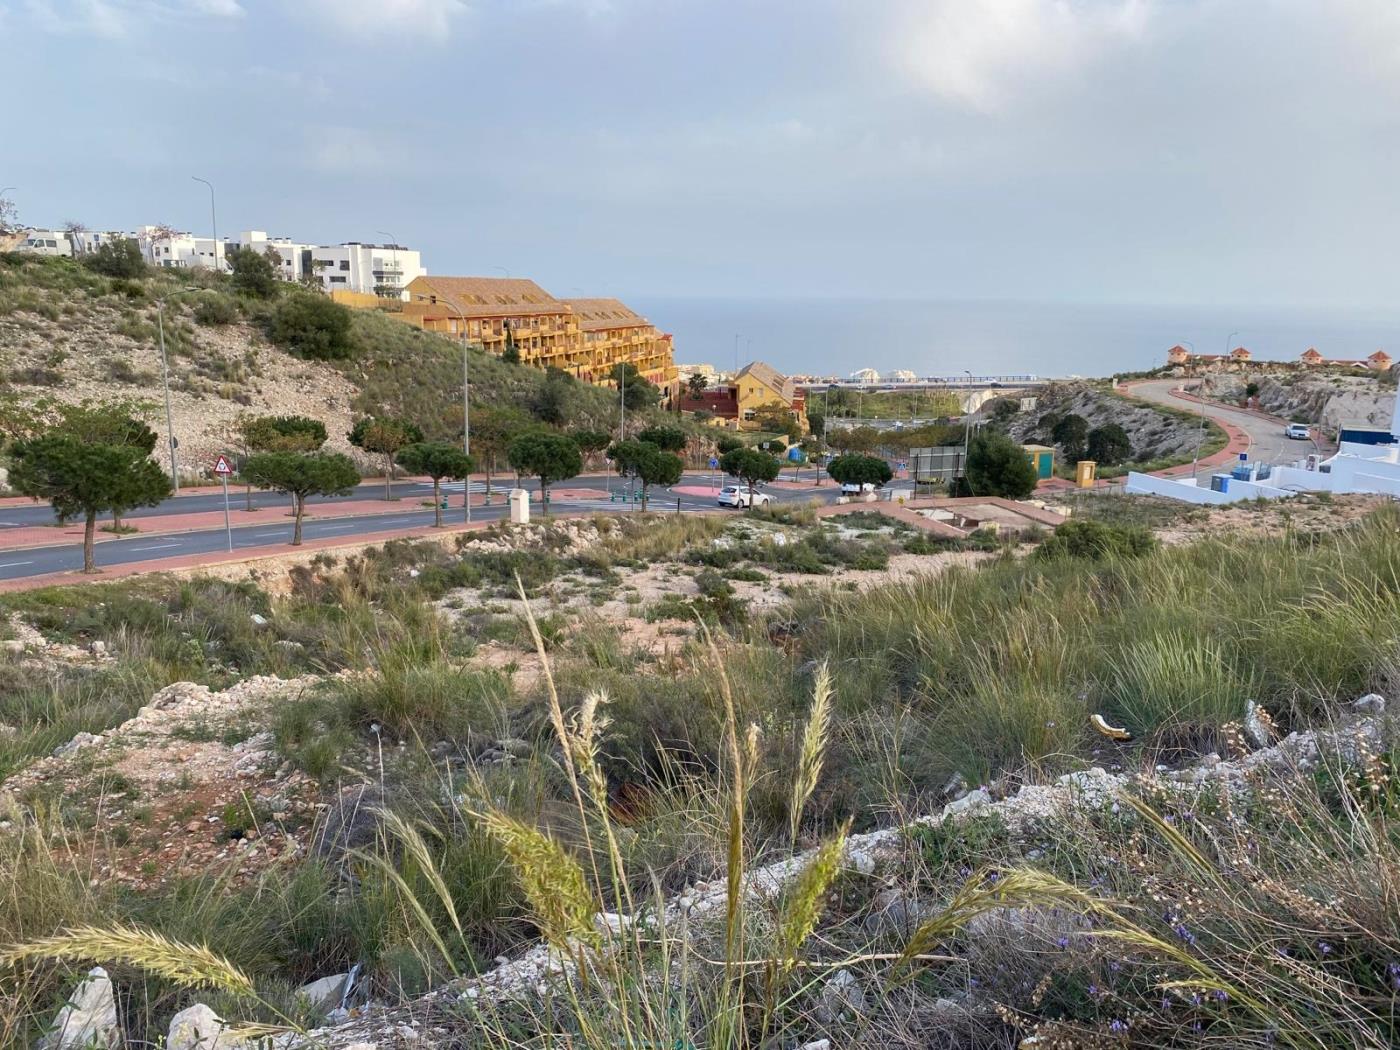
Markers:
point(821, 336)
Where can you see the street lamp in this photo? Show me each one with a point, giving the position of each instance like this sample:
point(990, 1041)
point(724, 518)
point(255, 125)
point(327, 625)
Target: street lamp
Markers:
point(213, 220)
point(165, 384)
point(967, 434)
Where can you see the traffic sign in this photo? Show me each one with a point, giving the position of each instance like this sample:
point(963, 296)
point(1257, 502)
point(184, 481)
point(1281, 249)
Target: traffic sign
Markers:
point(222, 467)
point(713, 462)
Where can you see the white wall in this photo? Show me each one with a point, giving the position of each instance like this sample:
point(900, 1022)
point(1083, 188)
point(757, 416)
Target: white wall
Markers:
point(1188, 491)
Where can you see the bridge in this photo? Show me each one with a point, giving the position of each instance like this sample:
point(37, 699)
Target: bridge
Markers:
point(958, 382)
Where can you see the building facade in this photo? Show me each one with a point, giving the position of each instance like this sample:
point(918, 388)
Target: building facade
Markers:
point(381, 270)
point(585, 337)
point(736, 403)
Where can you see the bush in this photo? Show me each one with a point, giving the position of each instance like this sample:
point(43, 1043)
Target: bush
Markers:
point(117, 259)
point(214, 309)
point(1094, 540)
point(312, 326)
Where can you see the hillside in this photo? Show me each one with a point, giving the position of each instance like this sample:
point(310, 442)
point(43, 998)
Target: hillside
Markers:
point(69, 334)
point(1327, 397)
point(364, 767)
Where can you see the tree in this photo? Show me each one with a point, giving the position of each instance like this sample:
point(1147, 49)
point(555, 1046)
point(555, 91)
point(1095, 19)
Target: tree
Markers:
point(555, 397)
point(384, 436)
point(637, 391)
point(997, 466)
point(510, 353)
point(301, 474)
point(727, 443)
point(859, 470)
point(254, 273)
point(312, 326)
point(81, 477)
point(668, 439)
point(545, 455)
point(9, 216)
point(74, 230)
point(590, 441)
point(439, 460)
point(119, 258)
point(1251, 390)
point(816, 423)
point(278, 434)
point(494, 427)
point(116, 422)
point(750, 466)
point(1109, 445)
point(775, 416)
point(696, 385)
point(1070, 433)
point(648, 463)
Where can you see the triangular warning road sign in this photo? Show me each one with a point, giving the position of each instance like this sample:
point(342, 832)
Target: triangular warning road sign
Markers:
point(222, 466)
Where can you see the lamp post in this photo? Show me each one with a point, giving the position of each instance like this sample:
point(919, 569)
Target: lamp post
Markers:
point(967, 435)
point(165, 384)
point(213, 220)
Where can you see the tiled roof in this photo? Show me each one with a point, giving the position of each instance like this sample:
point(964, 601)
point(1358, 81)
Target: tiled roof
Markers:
point(487, 296)
point(769, 377)
point(599, 315)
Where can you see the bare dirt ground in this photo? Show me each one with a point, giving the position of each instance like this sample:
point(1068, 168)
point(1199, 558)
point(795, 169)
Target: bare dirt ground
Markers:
point(1305, 514)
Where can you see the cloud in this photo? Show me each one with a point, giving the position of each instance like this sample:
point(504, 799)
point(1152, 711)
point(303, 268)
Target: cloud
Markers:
point(982, 54)
point(113, 19)
point(432, 20)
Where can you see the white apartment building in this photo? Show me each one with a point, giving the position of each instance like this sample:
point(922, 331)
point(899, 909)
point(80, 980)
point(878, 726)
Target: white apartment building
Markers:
point(373, 269)
point(61, 242)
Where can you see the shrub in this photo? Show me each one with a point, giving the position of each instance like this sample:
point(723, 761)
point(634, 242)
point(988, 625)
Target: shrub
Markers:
point(214, 309)
point(1086, 538)
point(312, 326)
point(121, 258)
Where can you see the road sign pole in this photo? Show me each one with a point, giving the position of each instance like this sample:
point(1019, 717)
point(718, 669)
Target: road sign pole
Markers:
point(228, 528)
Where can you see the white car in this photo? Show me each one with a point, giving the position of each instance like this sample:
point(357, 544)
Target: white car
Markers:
point(742, 496)
point(852, 488)
point(1298, 431)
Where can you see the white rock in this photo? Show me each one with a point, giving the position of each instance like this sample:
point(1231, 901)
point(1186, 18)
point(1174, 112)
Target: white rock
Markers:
point(88, 1019)
point(13, 646)
point(817, 1044)
point(1255, 729)
point(972, 801)
point(200, 1028)
point(1370, 704)
point(80, 741)
point(842, 994)
point(325, 992)
point(97, 647)
point(258, 619)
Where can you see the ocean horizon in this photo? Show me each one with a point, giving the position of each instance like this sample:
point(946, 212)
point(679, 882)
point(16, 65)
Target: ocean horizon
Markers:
point(944, 337)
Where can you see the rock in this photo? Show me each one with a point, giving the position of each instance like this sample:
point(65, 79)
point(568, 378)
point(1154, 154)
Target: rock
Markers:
point(893, 912)
point(513, 746)
point(969, 803)
point(88, 1019)
point(1370, 704)
point(956, 787)
point(259, 620)
point(200, 1028)
point(841, 995)
point(13, 646)
point(1256, 726)
point(324, 993)
point(97, 647)
point(817, 1044)
point(78, 742)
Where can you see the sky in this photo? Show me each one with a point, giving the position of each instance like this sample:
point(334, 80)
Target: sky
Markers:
point(1071, 151)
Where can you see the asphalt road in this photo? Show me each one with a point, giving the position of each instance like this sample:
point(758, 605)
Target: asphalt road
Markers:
point(1267, 443)
point(68, 557)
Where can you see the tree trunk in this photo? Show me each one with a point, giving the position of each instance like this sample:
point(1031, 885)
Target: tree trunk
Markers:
point(544, 497)
point(388, 476)
point(489, 465)
point(249, 504)
point(644, 497)
point(298, 509)
point(116, 520)
point(437, 504)
point(89, 531)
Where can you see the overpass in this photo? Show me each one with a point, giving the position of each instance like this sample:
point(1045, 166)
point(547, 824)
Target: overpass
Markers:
point(958, 382)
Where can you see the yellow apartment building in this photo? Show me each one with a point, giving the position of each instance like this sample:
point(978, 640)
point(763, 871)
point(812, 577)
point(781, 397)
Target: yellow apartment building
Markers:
point(758, 384)
point(613, 333)
point(585, 337)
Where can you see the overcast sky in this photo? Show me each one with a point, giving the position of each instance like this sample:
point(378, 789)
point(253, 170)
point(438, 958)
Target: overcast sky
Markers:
point(1192, 151)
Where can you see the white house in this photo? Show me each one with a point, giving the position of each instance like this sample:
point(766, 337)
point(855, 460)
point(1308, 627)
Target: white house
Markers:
point(1367, 460)
point(61, 242)
point(375, 269)
point(865, 375)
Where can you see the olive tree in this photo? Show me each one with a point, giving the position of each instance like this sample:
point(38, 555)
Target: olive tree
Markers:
point(302, 474)
point(439, 460)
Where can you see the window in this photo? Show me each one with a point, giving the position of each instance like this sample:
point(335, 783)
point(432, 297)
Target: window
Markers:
point(345, 264)
point(337, 279)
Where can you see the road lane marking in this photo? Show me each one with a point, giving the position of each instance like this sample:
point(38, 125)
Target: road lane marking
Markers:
point(14, 564)
point(157, 547)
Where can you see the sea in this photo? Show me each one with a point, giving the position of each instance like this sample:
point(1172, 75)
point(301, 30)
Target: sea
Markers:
point(834, 336)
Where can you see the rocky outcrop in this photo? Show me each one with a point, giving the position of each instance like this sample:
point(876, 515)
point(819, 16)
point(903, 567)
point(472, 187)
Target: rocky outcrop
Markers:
point(1357, 734)
point(88, 1020)
point(1154, 433)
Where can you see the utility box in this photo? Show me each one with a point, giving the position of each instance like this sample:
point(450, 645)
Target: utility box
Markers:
point(1042, 459)
point(519, 506)
point(1086, 472)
